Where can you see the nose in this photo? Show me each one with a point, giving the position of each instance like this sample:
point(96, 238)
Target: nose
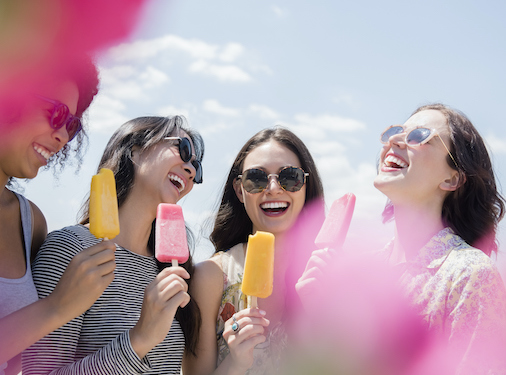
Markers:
point(190, 169)
point(273, 185)
point(61, 136)
point(398, 140)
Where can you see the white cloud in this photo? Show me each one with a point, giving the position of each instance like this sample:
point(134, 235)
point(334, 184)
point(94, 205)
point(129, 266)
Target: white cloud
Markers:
point(152, 77)
point(172, 111)
point(214, 106)
point(263, 112)
point(330, 122)
point(281, 13)
point(106, 114)
point(346, 99)
point(222, 72)
point(231, 52)
point(143, 50)
point(214, 60)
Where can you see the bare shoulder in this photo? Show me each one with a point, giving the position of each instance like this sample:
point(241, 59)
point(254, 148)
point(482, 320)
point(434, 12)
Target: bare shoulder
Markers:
point(39, 228)
point(208, 274)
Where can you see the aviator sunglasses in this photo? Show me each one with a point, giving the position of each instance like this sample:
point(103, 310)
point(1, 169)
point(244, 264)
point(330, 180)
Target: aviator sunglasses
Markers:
point(415, 137)
point(185, 152)
point(61, 116)
point(290, 179)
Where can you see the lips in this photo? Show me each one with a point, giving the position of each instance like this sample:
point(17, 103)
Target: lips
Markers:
point(274, 208)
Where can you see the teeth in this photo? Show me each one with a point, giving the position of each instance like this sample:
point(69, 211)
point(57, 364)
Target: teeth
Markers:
point(179, 181)
point(272, 205)
point(395, 160)
point(46, 154)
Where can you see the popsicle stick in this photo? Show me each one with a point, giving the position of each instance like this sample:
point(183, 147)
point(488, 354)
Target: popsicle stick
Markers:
point(174, 263)
point(253, 302)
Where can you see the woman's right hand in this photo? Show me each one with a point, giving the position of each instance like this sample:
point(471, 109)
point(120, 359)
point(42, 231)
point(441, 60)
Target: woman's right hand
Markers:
point(252, 324)
point(86, 277)
point(162, 297)
point(312, 280)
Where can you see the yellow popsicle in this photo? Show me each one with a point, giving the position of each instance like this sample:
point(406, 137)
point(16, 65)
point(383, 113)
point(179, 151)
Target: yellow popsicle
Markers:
point(259, 265)
point(104, 221)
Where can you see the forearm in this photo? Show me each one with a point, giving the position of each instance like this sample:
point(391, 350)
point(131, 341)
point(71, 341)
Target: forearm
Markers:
point(26, 326)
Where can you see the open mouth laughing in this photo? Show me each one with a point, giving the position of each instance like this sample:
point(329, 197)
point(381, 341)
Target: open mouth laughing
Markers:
point(46, 154)
point(392, 161)
point(274, 207)
point(177, 181)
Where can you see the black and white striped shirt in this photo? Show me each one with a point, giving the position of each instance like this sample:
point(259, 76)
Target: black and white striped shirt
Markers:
point(98, 342)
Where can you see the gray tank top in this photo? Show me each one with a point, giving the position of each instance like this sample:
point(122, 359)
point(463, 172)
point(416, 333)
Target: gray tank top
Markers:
point(18, 293)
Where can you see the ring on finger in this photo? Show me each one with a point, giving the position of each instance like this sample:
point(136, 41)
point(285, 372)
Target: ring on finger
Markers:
point(235, 326)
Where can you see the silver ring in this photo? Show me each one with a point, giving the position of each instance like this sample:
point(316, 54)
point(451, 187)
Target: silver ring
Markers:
point(235, 326)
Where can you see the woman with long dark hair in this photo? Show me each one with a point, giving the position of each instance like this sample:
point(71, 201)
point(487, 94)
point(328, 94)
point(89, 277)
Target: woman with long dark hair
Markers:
point(145, 319)
point(272, 181)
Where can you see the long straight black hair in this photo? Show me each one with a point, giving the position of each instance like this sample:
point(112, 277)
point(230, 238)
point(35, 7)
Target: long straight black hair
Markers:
point(145, 132)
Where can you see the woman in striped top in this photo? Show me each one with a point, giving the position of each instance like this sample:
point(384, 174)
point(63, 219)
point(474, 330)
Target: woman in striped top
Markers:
point(138, 325)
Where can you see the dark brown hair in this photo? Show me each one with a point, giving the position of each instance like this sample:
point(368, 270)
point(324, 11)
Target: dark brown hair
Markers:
point(145, 132)
point(476, 207)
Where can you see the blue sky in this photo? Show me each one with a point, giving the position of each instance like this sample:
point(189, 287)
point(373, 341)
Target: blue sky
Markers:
point(337, 73)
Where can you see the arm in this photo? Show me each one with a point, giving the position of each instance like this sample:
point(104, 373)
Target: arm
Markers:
point(115, 351)
point(88, 274)
point(207, 290)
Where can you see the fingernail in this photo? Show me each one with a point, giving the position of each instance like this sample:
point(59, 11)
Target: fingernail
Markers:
point(262, 312)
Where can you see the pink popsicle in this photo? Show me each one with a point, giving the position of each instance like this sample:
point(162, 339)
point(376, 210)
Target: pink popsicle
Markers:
point(335, 227)
point(170, 235)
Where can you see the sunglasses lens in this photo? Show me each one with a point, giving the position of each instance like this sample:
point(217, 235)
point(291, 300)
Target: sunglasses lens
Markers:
point(254, 180)
point(417, 136)
point(390, 132)
point(59, 115)
point(73, 127)
point(198, 172)
point(185, 149)
point(291, 179)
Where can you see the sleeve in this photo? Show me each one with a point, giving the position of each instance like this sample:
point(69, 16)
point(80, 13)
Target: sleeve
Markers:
point(56, 353)
point(477, 320)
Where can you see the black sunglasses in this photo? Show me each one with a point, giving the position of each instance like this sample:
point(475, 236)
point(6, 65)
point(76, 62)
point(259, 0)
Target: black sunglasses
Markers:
point(290, 179)
point(60, 116)
point(185, 152)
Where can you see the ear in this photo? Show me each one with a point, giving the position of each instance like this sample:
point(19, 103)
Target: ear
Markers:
point(238, 190)
point(452, 183)
point(135, 154)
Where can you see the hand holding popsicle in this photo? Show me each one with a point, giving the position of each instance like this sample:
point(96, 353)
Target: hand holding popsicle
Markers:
point(162, 297)
point(259, 266)
point(331, 236)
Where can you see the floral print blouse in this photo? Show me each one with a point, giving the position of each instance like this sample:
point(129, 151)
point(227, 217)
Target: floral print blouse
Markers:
point(459, 292)
point(267, 356)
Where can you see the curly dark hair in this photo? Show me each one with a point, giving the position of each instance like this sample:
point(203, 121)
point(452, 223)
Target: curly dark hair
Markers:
point(476, 207)
point(84, 73)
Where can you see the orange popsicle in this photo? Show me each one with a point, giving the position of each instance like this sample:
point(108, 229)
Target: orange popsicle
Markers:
point(259, 266)
point(104, 220)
